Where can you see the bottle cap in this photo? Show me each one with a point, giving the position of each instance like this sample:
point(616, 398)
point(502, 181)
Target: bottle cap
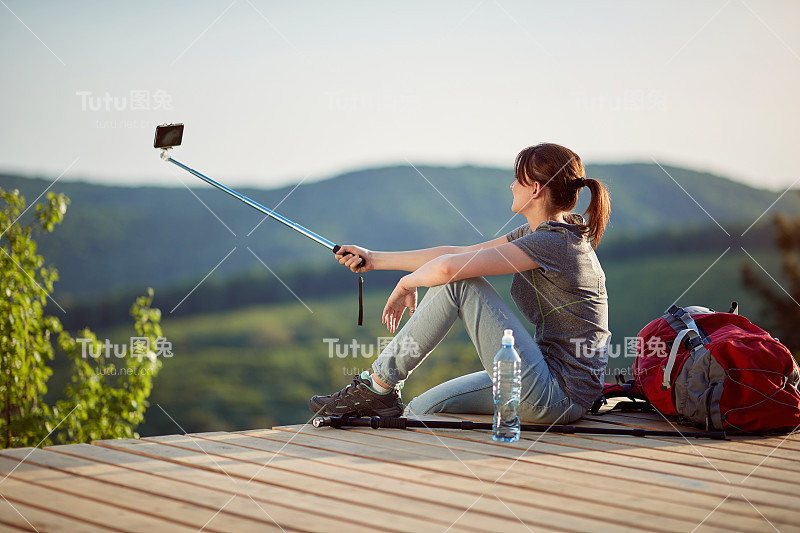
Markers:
point(508, 337)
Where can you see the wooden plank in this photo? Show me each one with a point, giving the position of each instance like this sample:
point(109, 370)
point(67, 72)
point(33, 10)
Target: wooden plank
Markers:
point(735, 465)
point(655, 421)
point(265, 499)
point(100, 514)
point(177, 515)
point(668, 423)
point(726, 460)
point(371, 485)
point(539, 505)
point(677, 452)
point(437, 457)
point(561, 454)
point(787, 515)
point(442, 507)
point(760, 450)
point(789, 443)
point(555, 480)
point(280, 487)
point(781, 446)
point(22, 517)
point(767, 446)
point(332, 480)
point(757, 447)
point(727, 450)
point(195, 506)
point(355, 488)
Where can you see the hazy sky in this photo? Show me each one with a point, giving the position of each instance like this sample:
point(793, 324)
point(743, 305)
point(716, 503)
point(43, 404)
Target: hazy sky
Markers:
point(273, 93)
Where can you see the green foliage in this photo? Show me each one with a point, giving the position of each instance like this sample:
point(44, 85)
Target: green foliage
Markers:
point(780, 298)
point(25, 346)
point(103, 400)
point(110, 397)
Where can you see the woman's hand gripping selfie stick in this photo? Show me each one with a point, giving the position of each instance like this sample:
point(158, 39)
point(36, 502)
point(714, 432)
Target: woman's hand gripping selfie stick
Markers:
point(257, 206)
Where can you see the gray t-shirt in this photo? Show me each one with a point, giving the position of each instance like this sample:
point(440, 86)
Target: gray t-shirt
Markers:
point(566, 301)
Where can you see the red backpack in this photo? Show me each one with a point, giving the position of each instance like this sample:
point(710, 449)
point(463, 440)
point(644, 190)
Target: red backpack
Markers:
point(715, 370)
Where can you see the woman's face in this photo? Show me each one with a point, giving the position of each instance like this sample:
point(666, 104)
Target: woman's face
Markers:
point(522, 196)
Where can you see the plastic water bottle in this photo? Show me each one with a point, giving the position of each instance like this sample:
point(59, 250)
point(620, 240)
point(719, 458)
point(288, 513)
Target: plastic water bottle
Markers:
point(506, 386)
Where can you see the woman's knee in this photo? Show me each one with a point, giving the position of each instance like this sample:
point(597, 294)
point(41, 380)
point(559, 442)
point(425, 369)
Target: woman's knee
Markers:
point(456, 286)
point(468, 283)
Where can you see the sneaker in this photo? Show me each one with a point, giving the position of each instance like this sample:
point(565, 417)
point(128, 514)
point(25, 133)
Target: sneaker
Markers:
point(358, 399)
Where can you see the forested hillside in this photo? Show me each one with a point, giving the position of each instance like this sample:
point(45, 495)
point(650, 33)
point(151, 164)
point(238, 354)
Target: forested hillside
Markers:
point(128, 238)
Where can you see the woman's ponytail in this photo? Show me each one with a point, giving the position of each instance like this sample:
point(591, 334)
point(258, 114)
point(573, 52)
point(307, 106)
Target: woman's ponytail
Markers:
point(598, 211)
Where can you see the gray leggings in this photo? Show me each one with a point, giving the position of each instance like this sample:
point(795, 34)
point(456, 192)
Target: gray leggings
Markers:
point(485, 315)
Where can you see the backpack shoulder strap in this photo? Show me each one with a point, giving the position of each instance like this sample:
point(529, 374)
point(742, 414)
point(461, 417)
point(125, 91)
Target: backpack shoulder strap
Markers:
point(680, 319)
point(687, 328)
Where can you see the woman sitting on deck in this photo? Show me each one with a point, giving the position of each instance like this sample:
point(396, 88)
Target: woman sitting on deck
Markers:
point(559, 286)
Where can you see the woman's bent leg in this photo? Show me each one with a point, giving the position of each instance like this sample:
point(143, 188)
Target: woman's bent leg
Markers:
point(472, 394)
point(466, 394)
point(485, 315)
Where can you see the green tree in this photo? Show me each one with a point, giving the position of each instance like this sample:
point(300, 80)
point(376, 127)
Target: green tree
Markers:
point(25, 334)
point(105, 399)
point(781, 307)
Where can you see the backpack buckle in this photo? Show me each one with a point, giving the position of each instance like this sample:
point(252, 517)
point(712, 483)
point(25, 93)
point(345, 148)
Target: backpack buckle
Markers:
point(676, 311)
point(694, 343)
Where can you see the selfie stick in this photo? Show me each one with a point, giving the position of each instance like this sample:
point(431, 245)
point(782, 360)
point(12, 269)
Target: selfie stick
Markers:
point(255, 205)
point(270, 213)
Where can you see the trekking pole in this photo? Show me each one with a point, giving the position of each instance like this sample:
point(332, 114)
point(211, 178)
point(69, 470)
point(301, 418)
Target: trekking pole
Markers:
point(377, 422)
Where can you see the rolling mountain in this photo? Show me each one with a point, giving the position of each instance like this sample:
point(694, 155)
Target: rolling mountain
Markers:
point(124, 238)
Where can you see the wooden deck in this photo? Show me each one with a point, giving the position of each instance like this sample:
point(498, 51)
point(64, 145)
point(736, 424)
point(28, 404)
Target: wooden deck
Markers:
point(298, 478)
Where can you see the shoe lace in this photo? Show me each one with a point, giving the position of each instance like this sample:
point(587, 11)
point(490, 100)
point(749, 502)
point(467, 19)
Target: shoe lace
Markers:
point(357, 380)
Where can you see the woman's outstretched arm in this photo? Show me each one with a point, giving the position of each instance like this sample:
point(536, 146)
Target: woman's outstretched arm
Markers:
point(408, 261)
